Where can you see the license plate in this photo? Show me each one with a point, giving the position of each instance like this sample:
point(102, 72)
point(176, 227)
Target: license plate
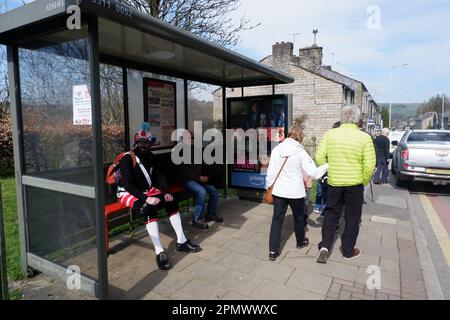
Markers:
point(438, 171)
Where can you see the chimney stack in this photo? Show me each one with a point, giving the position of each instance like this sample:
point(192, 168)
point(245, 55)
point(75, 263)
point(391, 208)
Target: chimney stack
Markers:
point(283, 51)
point(310, 58)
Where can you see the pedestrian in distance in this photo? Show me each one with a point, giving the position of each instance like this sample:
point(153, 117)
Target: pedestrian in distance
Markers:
point(382, 144)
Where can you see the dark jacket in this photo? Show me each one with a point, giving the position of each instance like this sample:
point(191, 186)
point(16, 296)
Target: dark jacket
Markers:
point(382, 144)
point(133, 179)
point(190, 171)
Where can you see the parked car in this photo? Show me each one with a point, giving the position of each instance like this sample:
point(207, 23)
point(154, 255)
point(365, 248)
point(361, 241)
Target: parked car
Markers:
point(422, 155)
point(395, 136)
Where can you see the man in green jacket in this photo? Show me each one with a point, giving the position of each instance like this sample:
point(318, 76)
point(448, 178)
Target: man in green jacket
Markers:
point(350, 155)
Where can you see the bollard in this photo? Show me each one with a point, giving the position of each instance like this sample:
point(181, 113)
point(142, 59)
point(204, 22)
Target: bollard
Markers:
point(3, 274)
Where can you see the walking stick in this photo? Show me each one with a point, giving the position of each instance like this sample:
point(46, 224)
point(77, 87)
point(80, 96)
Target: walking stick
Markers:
point(371, 190)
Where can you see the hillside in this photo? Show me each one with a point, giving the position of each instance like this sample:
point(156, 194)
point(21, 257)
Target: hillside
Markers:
point(402, 111)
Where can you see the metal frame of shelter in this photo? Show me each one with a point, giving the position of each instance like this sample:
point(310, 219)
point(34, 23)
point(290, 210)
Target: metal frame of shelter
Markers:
point(110, 26)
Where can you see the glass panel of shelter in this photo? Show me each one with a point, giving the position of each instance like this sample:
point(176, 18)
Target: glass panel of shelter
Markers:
point(57, 130)
point(58, 146)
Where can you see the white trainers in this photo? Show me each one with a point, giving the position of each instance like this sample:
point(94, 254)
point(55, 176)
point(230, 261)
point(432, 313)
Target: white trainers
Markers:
point(322, 256)
point(316, 211)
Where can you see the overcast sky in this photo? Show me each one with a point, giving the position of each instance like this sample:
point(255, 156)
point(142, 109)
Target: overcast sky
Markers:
point(416, 32)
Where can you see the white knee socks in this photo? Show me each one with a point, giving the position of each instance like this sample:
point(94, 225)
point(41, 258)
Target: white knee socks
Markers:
point(175, 220)
point(153, 231)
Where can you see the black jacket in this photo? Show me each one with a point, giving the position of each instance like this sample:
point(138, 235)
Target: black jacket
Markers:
point(190, 171)
point(133, 179)
point(382, 144)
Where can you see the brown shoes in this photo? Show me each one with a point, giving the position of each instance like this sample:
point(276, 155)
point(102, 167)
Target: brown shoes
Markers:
point(356, 254)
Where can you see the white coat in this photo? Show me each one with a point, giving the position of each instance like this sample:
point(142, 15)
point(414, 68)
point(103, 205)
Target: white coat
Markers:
point(290, 182)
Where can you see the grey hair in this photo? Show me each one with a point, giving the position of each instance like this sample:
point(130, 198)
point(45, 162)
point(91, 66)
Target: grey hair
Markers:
point(385, 132)
point(350, 114)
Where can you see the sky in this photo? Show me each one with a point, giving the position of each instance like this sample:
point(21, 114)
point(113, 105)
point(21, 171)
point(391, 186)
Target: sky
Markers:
point(362, 39)
point(410, 32)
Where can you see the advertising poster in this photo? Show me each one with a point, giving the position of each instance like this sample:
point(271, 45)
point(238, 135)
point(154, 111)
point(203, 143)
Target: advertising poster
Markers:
point(160, 110)
point(267, 115)
point(82, 108)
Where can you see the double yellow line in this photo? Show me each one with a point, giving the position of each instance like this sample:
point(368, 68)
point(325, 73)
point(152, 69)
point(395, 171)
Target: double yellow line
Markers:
point(438, 228)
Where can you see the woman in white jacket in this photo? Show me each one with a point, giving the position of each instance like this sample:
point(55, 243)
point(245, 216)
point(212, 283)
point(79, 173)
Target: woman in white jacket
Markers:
point(289, 188)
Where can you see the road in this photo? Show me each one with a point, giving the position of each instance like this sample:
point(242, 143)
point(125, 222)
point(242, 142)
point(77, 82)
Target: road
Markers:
point(431, 205)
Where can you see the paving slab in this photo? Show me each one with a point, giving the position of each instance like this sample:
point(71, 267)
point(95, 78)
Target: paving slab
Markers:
point(270, 290)
point(239, 282)
point(197, 289)
point(313, 282)
point(272, 271)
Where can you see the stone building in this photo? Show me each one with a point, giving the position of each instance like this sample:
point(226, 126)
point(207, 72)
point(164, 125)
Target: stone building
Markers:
point(428, 120)
point(318, 91)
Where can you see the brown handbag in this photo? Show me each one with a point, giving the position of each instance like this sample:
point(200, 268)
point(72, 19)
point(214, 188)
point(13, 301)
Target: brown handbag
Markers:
point(268, 198)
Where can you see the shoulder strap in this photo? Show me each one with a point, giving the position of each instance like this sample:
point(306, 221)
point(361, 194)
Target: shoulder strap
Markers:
point(133, 157)
point(144, 171)
point(280, 171)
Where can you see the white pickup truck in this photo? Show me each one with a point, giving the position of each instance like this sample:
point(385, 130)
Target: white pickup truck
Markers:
point(422, 155)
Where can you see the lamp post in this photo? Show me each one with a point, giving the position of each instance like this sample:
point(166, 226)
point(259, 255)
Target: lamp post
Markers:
point(390, 98)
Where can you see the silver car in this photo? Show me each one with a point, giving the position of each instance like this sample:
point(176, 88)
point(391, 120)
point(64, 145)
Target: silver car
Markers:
point(422, 155)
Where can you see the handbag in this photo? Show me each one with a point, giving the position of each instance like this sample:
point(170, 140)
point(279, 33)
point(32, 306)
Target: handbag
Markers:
point(268, 198)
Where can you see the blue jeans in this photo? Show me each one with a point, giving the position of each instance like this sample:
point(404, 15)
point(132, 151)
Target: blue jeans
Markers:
point(200, 191)
point(321, 196)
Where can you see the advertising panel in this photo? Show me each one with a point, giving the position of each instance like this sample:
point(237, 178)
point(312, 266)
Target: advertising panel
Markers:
point(267, 116)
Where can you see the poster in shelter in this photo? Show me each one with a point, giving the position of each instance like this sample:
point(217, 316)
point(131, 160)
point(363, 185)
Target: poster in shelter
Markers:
point(160, 105)
point(82, 107)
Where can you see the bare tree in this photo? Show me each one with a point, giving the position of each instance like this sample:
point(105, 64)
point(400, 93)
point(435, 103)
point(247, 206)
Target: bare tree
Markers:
point(4, 88)
point(209, 19)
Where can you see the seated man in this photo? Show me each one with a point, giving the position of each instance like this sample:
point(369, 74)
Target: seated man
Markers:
point(199, 183)
point(144, 189)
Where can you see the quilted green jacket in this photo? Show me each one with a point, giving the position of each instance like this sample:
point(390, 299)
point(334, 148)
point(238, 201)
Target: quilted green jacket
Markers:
point(350, 154)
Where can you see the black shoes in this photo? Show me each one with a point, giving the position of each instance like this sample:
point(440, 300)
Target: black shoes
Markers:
point(273, 255)
point(163, 261)
point(303, 244)
point(214, 218)
point(188, 246)
point(200, 224)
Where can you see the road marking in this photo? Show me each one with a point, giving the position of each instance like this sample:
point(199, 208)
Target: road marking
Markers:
point(438, 228)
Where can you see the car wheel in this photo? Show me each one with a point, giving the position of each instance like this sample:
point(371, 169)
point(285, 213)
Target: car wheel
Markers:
point(393, 167)
point(400, 180)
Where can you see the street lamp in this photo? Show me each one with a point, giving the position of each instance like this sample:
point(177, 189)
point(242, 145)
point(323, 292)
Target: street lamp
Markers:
point(390, 98)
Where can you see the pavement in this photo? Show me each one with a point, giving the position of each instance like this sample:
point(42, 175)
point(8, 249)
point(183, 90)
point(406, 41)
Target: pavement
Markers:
point(234, 263)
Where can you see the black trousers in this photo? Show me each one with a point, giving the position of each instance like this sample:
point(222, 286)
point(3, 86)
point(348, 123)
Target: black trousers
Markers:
point(353, 199)
point(151, 211)
point(280, 206)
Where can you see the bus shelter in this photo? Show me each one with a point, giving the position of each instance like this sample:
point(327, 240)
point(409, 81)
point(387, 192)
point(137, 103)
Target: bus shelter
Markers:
point(77, 96)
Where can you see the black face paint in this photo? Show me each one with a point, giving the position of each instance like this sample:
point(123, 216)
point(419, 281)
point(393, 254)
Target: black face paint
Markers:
point(144, 147)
